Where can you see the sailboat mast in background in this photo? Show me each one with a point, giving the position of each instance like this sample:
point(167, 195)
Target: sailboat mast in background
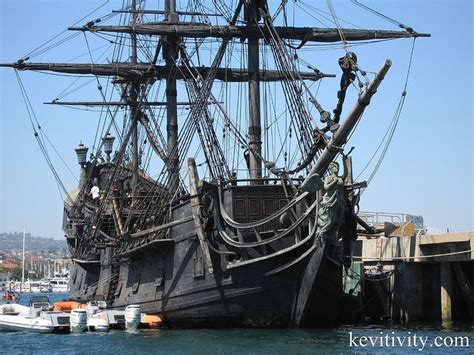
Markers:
point(23, 262)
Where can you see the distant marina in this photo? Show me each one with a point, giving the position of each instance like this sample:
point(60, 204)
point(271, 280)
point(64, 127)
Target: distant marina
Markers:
point(57, 284)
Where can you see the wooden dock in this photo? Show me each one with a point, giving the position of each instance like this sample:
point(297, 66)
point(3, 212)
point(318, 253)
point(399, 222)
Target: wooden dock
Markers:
point(411, 278)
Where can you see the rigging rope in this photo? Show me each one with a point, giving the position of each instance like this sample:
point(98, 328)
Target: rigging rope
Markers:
point(38, 135)
point(37, 51)
point(389, 19)
point(387, 138)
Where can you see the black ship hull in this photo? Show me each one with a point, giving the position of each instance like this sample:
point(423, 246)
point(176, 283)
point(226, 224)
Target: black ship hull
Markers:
point(238, 298)
point(169, 277)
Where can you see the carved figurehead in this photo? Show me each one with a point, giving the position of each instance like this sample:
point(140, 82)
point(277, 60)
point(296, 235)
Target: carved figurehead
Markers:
point(331, 210)
point(332, 205)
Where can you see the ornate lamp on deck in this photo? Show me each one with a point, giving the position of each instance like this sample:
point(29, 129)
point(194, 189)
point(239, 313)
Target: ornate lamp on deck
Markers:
point(81, 152)
point(108, 142)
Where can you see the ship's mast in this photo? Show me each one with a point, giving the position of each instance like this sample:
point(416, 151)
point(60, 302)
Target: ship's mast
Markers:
point(134, 103)
point(255, 130)
point(170, 55)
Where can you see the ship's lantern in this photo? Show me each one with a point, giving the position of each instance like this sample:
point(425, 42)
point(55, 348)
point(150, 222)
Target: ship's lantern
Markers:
point(108, 141)
point(81, 152)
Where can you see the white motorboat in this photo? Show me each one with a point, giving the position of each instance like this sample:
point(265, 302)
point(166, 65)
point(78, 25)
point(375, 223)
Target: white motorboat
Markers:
point(36, 317)
point(59, 284)
point(15, 317)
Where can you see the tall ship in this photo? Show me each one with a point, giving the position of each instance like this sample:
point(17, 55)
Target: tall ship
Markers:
point(218, 190)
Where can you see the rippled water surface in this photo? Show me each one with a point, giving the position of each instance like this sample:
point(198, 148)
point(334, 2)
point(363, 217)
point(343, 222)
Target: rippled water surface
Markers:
point(254, 341)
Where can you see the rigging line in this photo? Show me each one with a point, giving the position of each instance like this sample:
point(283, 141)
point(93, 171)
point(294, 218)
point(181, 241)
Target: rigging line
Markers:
point(99, 87)
point(241, 138)
point(206, 88)
point(312, 14)
point(237, 133)
point(59, 155)
point(156, 192)
point(58, 96)
point(273, 100)
point(294, 100)
point(224, 10)
point(215, 150)
point(102, 109)
point(344, 43)
point(65, 93)
point(58, 43)
point(345, 46)
point(389, 140)
point(32, 115)
point(280, 8)
point(32, 53)
point(284, 68)
point(142, 46)
point(64, 75)
point(393, 125)
point(41, 132)
point(409, 64)
point(389, 129)
point(389, 19)
point(94, 50)
point(72, 107)
point(288, 67)
point(156, 131)
point(320, 12)
point(205, 144)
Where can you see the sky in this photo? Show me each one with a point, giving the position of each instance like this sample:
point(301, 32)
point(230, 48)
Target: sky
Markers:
point(428, 168)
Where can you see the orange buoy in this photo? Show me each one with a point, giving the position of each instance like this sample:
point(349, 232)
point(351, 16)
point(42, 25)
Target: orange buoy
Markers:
point(66, 306)
point(151, 321)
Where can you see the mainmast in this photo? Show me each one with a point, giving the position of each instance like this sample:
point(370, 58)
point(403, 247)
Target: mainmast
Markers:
point(134, 107)
point(255, 128)
point(170, 55)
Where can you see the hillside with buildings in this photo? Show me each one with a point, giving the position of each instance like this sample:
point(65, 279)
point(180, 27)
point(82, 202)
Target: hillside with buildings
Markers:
point(12, 244)
point(43, 256)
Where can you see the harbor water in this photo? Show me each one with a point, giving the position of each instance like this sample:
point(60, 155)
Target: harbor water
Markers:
point(346, 339)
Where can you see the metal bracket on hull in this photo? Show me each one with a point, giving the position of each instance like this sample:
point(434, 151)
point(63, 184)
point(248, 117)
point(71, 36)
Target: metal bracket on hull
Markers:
point(196, 206)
